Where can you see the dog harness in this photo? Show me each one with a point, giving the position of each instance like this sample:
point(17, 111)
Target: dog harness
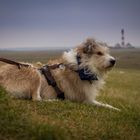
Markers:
point(84, 73)
point(50, 79)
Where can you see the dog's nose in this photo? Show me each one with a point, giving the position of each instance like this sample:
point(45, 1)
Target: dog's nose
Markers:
point(112, 61)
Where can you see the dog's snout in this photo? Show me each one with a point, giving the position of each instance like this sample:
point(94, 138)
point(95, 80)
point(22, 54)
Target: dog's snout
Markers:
point(112, 61)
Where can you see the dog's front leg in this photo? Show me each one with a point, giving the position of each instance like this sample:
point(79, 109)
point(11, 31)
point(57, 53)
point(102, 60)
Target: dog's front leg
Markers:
point(94, 102)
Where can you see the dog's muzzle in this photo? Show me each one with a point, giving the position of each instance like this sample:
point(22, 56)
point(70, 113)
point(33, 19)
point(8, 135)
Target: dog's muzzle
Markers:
point(112, 62)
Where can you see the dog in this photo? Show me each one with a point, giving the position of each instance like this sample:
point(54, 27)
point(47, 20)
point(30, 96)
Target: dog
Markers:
point(79, 74)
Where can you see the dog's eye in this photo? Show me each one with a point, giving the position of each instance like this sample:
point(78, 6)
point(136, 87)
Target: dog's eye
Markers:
point(99, 53)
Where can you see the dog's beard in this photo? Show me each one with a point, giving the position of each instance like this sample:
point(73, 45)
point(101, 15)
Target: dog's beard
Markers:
point(110, 66)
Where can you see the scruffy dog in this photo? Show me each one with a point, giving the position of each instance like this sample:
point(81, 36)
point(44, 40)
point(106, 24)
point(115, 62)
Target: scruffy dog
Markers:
point(80, 76)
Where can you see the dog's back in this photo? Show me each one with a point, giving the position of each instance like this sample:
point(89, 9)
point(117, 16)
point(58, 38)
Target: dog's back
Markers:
point(19, 82)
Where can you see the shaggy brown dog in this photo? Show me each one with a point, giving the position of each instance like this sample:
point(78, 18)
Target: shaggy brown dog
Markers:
point(92, 57)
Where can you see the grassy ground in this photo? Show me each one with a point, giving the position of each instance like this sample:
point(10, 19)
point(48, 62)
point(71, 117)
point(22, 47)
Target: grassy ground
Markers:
point(23, 119)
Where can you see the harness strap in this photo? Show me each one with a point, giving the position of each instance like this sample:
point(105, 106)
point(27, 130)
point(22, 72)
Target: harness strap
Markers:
point(51, 81)
point(13, 62)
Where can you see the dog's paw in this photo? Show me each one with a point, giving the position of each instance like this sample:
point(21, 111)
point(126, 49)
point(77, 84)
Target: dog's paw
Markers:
point(37, 98)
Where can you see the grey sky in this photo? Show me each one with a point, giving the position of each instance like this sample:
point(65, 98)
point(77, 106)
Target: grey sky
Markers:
point(45, 23)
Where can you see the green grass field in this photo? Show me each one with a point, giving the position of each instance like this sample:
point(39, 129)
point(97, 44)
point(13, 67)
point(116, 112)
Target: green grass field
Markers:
point(24, 119)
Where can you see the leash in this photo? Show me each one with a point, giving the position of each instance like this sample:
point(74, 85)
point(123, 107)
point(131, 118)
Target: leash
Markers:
point(14, 63)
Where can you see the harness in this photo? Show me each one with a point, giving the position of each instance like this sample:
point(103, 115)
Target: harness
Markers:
point(50, 79)
point(84, 73)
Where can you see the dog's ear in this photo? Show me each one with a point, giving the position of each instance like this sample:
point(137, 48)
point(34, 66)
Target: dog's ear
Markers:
point(88, 46)
point(87, 49)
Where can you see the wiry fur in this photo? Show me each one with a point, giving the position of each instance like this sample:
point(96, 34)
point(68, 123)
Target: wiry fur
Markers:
point(30, 83)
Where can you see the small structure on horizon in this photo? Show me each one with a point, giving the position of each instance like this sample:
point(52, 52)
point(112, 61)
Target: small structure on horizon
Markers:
point(122, 37)
point(123, 45)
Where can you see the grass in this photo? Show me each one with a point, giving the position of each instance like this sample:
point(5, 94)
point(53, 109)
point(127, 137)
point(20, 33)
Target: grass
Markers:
point(127, 58)
point(27, 120)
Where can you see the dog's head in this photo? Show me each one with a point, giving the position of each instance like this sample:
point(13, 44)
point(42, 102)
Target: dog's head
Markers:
point(95, 55)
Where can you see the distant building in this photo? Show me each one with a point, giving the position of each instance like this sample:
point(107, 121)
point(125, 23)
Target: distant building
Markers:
point(128, 45)
point(123, 45)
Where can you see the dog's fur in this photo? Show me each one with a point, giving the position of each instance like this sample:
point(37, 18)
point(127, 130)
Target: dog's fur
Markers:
point(31, 84)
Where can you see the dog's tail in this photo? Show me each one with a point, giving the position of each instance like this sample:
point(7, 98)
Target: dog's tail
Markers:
point(19, 65)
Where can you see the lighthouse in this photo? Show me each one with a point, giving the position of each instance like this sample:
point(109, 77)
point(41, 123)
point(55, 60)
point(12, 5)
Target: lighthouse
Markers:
point(123, 44)
point(122, 38)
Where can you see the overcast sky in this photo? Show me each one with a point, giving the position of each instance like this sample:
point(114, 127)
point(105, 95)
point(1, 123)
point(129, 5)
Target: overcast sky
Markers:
point(56, 23)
